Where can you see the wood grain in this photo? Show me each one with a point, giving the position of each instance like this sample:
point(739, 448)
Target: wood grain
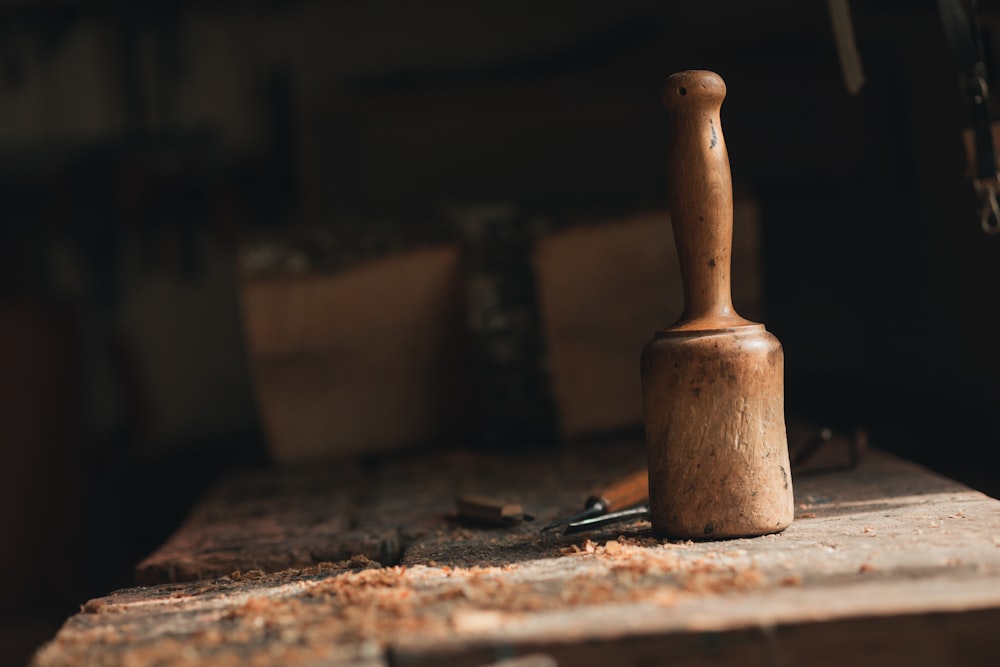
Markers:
point(887, 563)
point(269, 521)
point(369, 359)
point(713, 382)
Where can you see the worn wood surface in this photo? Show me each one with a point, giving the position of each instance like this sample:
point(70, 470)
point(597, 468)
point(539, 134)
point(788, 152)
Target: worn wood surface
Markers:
point(272, 520)
point(387, 511)
point(887, 562)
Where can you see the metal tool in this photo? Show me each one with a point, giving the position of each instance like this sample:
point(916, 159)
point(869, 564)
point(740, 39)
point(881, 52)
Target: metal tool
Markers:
point(622, 494)
point(637, 513)
point(964, 33)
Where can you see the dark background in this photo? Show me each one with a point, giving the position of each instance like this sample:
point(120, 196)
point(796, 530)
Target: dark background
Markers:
point(140, 141)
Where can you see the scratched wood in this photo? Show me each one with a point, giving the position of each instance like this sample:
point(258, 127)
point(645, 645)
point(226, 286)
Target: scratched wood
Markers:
point(270, 521)
point(387, 511)
point(885, 563)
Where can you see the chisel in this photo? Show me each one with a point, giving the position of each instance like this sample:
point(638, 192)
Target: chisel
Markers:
point(619, 495)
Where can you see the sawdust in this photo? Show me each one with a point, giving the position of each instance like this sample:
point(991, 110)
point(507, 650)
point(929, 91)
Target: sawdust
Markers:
point(311, 614)
point(375, 604)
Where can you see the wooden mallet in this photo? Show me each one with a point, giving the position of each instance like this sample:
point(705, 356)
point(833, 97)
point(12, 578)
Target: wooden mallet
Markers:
point(713, 386)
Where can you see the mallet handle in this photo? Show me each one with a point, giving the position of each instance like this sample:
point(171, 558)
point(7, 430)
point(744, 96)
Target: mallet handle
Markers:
point(700, 196)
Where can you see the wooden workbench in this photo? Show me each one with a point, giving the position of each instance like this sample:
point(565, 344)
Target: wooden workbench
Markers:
point(358, 564)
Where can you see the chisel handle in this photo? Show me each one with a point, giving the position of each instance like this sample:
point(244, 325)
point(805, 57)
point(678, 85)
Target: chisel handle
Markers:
point(626, 492)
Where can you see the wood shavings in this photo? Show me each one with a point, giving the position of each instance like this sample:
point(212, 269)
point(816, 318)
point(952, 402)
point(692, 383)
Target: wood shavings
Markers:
point(711, 574)
point(623, 545)
point(93, 606)
point(711, 581)
point(356, 602)
point(516, 588)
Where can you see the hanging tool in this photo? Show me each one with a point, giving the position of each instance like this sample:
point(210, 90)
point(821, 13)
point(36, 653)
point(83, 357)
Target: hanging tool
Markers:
point(624, 493)
point(847, 48)
point(713, 382)
point(964, 34)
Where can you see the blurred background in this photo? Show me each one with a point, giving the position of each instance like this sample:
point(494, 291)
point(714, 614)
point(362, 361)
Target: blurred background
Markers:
point(239, 234)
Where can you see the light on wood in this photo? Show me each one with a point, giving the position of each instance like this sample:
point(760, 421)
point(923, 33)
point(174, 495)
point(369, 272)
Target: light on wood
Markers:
point(713, 382)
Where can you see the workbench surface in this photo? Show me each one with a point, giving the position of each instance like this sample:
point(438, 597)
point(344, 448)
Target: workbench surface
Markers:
point(367, 564)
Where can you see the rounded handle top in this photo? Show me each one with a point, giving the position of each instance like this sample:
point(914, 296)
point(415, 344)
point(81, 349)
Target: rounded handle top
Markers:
point(694, 90)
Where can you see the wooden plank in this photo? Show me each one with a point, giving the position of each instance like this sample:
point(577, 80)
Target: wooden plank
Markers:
point(887, 562)
point(604, 288)
point(374, 354)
